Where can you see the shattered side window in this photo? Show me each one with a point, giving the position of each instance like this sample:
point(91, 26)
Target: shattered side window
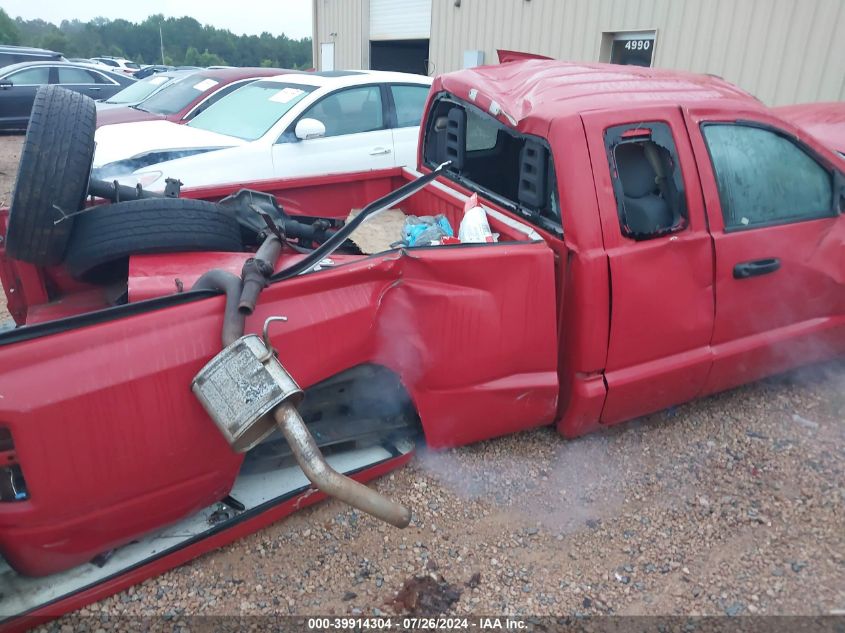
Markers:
point(764, 178)
point(647, 180)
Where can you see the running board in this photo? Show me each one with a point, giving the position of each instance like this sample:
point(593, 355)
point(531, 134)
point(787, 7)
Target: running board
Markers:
point(256, 492)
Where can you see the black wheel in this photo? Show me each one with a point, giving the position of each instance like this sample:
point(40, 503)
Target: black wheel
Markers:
point(105, 236)
point(53, 174)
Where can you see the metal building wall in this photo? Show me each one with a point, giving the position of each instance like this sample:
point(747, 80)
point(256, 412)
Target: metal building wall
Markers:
point(783, 51)
point(350, 21)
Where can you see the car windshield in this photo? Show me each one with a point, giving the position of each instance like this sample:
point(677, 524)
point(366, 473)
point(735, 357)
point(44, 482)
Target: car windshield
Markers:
point(250, 111)
point(139, 90)
point(179, 94)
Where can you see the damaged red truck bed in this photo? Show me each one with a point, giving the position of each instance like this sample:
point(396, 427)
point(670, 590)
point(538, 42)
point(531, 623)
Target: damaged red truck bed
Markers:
point(661, 236)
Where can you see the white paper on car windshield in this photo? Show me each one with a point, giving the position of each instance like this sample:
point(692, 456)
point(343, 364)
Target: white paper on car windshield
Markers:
point(286, 94)
point(205, 84)
point(157, 80)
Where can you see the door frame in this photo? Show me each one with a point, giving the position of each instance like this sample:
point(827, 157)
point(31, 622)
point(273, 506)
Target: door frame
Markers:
point(326, 52)
point(741, 359)
point(648, 368)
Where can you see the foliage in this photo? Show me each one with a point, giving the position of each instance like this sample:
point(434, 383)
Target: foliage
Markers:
point(183, 37)
point(8, 29)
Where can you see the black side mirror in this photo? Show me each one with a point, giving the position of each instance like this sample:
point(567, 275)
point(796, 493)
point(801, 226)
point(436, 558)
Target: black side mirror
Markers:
point(6, 83)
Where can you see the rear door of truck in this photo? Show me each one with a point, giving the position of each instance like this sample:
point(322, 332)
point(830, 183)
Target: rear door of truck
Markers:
point(774, 198)
point(659, 256)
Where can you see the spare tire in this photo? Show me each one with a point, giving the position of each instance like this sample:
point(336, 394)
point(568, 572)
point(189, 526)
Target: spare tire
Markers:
point(106, 235)
point(53, 174)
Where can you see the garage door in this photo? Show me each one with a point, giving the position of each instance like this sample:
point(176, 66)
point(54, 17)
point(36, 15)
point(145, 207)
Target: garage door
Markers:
point(408, 20)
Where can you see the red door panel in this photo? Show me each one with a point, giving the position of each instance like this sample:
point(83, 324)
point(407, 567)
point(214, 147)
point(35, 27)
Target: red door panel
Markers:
point(661, 288)
point(790, 316)
point(112, 442)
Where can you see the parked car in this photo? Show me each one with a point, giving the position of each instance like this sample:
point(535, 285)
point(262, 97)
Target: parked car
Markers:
point(288, 126)
point(17, 54)
point(146, 71)
point(93, 62)
point(136, 92)
point(181, 99)
point(119, 64)
point(19, 82)
point(825, 121)
point(662, 236)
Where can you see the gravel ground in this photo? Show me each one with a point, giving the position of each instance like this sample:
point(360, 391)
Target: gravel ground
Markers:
point(729, 505)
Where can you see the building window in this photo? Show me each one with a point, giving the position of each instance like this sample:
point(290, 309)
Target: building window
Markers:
point(631, 48)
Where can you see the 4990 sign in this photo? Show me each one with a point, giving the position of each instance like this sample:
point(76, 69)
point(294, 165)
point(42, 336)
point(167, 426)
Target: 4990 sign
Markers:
point(632, 51)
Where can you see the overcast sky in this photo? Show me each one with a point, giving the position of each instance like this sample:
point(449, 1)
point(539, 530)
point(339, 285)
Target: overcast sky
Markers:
point(292, 17)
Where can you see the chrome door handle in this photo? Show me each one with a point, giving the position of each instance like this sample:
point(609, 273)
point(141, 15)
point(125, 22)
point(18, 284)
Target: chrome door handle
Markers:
point(380, 150)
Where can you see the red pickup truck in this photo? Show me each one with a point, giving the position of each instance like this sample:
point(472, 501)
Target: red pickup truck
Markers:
point(661, 236)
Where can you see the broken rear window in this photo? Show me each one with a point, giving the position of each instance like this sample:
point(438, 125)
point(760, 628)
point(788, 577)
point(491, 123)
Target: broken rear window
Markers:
point(515, 169)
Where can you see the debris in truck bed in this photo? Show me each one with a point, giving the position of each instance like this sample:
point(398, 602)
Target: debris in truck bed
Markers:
point(378, 233)
point(425, 230)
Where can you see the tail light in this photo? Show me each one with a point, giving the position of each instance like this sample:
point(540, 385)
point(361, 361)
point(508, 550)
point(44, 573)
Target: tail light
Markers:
point(12, 483)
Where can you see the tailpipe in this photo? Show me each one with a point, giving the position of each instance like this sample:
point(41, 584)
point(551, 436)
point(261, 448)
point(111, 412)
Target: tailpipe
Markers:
point(248, 393)
point(327, 479)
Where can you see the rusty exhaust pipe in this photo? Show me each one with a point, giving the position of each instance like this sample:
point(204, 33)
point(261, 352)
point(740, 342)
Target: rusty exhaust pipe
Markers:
point(248, 392)
point(327, 479)
point(256, 273)
point(233, 319)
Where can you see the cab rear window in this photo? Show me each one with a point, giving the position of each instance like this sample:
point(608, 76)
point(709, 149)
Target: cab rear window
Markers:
point(517, 170)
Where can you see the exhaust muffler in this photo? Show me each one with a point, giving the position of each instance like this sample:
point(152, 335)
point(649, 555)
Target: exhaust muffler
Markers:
point(248, 393)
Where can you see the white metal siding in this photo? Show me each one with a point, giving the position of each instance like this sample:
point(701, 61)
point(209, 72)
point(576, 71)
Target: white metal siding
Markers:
point(405, 20)
point(782, 51)
point(345, 23)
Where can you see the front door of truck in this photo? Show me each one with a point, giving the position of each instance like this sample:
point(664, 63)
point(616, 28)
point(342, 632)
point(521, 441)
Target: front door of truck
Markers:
point(659, 256)
point(773, 203)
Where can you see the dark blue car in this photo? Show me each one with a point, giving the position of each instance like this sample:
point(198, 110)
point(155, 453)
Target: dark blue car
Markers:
point(19, 82)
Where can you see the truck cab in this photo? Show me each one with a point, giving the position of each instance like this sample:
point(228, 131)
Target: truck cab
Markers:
point(698, 237)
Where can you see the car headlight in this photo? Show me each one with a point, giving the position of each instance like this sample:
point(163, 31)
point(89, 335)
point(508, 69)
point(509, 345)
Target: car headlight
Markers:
point(147, 178)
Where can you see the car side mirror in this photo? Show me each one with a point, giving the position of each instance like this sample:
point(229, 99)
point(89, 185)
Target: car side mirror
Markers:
point(6, 83)
point(309, 128)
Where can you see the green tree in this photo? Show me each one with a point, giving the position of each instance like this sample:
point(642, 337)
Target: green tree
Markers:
point(55, 41)
point(184, 38)
point(192, 57)
point(9, 33)
point(210, 59)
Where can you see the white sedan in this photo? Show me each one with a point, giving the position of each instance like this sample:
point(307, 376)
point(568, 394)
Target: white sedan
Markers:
point(292, 125)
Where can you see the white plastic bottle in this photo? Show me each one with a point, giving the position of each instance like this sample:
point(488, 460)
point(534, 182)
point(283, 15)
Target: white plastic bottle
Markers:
point(474, 226)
